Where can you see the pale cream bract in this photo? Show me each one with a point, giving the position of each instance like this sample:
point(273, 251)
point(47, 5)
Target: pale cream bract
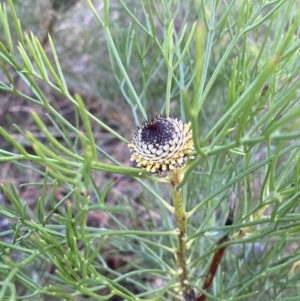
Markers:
point(162, 145)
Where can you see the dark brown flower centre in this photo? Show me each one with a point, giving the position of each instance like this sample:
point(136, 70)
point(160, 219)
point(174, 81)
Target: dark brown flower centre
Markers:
point(158, 132)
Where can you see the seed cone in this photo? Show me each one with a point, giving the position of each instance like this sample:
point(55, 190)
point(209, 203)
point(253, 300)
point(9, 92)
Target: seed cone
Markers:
point(161, 145)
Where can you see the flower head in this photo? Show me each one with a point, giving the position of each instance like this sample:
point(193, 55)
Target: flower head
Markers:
point(161, 145)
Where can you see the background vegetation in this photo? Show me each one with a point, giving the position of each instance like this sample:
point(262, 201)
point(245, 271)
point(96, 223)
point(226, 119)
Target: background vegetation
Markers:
point(78, 221)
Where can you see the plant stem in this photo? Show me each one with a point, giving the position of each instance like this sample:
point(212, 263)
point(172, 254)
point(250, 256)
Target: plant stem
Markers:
point(213, 268)
point(181, 221)
point(217, 256)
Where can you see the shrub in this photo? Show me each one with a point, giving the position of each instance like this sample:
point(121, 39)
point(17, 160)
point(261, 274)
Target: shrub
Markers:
point(79, 220)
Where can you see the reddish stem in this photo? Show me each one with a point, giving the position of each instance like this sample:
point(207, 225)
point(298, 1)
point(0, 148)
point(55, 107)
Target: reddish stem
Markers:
point(213, 268)
point(217, 257)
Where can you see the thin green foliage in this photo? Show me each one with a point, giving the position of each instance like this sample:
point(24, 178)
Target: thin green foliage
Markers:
point(232, 70)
